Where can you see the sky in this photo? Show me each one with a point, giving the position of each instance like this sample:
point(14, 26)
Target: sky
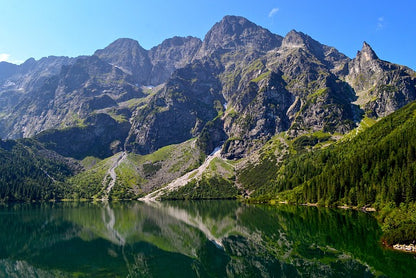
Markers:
point(79, 27)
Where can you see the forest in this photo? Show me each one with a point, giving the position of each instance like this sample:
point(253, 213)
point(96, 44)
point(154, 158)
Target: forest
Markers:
point(376, 168)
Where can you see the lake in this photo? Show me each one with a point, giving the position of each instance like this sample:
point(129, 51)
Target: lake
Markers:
point(192, 239)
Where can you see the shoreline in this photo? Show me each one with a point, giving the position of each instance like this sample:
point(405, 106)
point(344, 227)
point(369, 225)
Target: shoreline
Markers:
point(408, 248)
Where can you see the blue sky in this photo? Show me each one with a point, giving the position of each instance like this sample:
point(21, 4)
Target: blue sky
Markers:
point(78, 27)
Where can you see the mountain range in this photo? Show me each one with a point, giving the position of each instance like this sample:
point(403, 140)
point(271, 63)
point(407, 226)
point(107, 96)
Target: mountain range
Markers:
point(225, 116)
point(258, 82)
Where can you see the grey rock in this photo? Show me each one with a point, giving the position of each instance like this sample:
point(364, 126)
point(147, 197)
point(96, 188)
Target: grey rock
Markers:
point(170, 55)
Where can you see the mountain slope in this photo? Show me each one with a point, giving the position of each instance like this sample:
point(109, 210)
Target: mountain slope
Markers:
point(381, 87)
point(28, 171)
point(374, 167)
point(171, 55)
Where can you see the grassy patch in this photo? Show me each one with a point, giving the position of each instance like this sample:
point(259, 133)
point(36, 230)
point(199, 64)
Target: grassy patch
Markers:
point(88, 184)
point(205, 188)
point(89, 162)
point(261, 77)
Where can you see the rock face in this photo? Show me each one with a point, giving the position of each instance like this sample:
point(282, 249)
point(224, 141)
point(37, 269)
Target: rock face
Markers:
point(241, 85)
point(381, 87)
point(170, 55)
point(151, 67)
point(93, 139)
point(68, 98)
point(233, 33)
point(180, 110)
point(130, 57)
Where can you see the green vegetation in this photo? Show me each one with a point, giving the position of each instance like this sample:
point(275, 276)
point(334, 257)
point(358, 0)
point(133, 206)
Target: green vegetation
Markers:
point(134, 173)
point(89, 161)
point(119, 118)
point(128, 181)
point(219, 166)
point(310, 140)
point(205, 188)
point(261, 77)
point(27, 172)
point(399, 223)
point(313, 98)
point(216, 182)
point(150, 168)
point(161, 154)
point(231, 112)
point(88, 184)
point(375, 168)
point(76, 120)
point(262, 173)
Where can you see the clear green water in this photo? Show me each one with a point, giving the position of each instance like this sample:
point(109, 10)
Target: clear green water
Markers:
point(192, 239)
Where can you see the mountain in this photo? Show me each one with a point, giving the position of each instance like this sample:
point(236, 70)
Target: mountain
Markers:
point(29, 171)
point(151, 67)
point(16, 83)
point(234, 33)
point(381, 87)
point(67, 99)
point(129, 56)
point(255, 95)
point(170, 55)
point(375, 168)
point(7, 70)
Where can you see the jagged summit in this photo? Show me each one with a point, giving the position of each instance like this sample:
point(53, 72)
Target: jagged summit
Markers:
point(366, 60)
point(295, 39)
point(121, 46)
point(235, 24)
point(176, 41)
point(170, 55)
point(367, 53)
point(234, 32)
point(129, 56)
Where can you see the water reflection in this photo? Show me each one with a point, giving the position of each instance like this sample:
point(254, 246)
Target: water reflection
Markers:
point(192, 239)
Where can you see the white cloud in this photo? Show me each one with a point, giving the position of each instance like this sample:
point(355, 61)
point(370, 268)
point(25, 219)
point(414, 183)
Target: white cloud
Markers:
point(273, 12)
point(4, 57)
point(380, 23)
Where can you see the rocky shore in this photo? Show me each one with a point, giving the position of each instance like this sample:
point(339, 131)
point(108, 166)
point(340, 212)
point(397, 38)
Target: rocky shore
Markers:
point(404, 247)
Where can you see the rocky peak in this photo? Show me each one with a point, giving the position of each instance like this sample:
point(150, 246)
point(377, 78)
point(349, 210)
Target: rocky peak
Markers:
point(365, 61)
point(327, 55)
point(129, 56)
point(176, 42)
point(381, 87)
point(231, 25)
point(119, 45)
point(294, 39)
point(366, 53)
point(170, 55)
point(6, 70)
point(234, 32)
point(28, 63)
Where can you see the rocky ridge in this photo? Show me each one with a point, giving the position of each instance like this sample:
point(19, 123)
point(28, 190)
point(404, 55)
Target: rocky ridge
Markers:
point(241, 85)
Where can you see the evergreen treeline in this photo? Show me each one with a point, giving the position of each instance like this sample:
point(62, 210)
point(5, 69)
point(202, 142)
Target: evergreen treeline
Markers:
point(26, 174)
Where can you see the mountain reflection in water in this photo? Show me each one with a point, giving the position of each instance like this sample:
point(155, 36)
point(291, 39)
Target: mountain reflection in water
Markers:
point(192, 239)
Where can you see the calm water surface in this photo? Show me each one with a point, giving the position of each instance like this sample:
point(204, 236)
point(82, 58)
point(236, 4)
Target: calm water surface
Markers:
point(192, 239)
